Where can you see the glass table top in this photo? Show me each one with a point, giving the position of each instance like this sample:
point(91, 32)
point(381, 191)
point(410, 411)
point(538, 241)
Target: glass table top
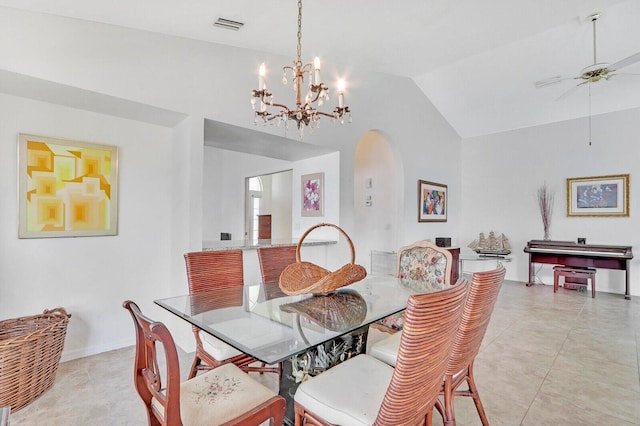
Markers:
point(271, 326)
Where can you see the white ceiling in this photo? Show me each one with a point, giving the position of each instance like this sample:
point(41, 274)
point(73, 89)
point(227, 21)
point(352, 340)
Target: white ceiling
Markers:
point(475, 60)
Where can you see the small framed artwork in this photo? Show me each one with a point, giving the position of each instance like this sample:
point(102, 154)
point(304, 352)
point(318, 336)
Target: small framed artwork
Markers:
point(66, 188)
point(598, 196)
point(432, 202)
point(313, 194)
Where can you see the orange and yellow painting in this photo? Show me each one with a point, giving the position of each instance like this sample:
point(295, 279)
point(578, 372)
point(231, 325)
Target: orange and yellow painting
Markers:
point(67, 188)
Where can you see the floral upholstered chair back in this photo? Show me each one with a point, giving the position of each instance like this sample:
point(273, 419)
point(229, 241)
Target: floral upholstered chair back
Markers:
point(424, 261)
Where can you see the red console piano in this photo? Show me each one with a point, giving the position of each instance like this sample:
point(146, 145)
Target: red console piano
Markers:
point(570, 254)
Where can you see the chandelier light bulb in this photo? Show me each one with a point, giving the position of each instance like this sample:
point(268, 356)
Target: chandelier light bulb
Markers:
point(262, 71)
point(316, 70)
point(341, 86)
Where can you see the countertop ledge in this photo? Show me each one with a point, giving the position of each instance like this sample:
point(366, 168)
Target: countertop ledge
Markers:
point(253, 245)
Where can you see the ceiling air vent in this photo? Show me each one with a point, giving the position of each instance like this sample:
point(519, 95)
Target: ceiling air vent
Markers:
point(228, 24)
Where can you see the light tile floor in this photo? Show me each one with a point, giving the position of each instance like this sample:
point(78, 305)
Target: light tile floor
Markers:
point(547, 359)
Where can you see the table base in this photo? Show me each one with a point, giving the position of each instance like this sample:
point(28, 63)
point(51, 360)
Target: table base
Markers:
point(316, 360)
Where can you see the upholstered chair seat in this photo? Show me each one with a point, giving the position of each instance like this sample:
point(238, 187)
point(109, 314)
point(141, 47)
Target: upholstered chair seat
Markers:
point(218, 395)
point(216, 347)
point(350, 393)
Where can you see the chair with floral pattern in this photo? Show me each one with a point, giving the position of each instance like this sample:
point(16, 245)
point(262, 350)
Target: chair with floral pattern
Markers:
point(420, 261)
point(222, 395)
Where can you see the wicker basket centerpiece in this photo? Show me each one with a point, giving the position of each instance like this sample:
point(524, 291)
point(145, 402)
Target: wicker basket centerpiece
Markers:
point(30, 349)
point(306, 277)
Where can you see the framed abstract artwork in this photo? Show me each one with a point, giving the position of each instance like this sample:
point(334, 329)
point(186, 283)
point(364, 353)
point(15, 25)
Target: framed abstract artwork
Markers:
point(432, 202)
point(598, 196)
point(66, 188)
point(312, 194)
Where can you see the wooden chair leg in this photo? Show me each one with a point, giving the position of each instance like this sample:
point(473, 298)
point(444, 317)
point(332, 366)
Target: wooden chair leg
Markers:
point(428, 421)
point(593, 286)
point(194, 366)
point(448, 416)
point(476, 397)
point(555, 281)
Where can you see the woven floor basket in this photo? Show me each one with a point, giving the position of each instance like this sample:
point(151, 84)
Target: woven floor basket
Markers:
point(306, 277)
point(30, 349)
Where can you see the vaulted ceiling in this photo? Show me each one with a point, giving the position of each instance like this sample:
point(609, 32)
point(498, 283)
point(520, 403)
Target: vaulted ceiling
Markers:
point(477, 61)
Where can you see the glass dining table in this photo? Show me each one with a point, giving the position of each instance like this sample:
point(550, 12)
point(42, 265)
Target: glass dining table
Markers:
point(310, 333)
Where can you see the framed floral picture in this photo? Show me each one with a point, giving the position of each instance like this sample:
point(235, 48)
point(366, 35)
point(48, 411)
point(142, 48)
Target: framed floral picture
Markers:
point(432, 202)
point(598, 196)
point(66, 188)
point(313, 194)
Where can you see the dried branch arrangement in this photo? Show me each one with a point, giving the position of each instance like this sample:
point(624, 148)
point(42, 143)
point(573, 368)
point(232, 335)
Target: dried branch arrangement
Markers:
point(545, 203)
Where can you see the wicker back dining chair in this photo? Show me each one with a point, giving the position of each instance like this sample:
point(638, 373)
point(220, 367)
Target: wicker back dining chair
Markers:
point(206, 271)
point(366, 391)
point(194, 402)
point(420, 261)
point(483, 293)
point(273, 260)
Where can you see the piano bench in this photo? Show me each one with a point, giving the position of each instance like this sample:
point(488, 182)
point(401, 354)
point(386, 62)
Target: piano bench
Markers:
point(574, 273)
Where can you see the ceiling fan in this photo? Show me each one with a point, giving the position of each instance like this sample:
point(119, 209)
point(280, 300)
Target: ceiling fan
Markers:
point(595, 72)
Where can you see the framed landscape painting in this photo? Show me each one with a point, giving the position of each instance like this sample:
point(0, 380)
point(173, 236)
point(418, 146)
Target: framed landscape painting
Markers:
point(432, 202)
point(598, 196)
point(66, 188)
point(312, 194)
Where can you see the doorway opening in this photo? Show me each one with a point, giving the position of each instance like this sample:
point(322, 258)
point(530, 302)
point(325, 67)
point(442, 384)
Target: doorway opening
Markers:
point(269, 195)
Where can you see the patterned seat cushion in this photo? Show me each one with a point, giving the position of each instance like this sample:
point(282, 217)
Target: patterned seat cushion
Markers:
point(218, 396)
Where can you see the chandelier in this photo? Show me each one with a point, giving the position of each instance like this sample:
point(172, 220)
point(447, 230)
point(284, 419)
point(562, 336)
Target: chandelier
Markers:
point(305, 112)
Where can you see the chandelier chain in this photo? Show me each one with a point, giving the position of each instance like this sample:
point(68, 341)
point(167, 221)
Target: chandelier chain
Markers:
point(299, 31)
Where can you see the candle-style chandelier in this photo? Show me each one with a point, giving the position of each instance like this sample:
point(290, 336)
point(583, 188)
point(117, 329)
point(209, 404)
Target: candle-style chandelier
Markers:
point(305, 112)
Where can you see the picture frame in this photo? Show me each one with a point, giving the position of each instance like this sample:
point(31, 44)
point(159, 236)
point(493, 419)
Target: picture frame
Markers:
point(605, 196)
point(432, 201)
point(312, 195)
point(66, 188)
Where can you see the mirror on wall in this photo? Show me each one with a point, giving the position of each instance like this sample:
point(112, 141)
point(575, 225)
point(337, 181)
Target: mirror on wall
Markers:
point(268, 208)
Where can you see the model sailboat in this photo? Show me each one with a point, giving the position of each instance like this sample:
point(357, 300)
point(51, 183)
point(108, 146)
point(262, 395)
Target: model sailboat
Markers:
point(491, 246)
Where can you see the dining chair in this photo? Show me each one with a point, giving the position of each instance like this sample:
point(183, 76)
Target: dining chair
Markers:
point(483, 293)
point(206, 271)
point(420, 261)
point(365, 391)
point(223, 395)
point(273, 260)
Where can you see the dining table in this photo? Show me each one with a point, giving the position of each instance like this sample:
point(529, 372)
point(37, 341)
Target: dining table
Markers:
point(308, 333)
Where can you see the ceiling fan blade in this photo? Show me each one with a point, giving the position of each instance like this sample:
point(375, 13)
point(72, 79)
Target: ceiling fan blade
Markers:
point(551, 81)
point(625, 62)
point(570, 91)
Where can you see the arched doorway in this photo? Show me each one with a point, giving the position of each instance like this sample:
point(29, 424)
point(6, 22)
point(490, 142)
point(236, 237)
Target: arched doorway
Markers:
point(378, 196)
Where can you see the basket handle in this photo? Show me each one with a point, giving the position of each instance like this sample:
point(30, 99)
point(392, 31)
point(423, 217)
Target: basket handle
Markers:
point(57, 311)
point(353, 253)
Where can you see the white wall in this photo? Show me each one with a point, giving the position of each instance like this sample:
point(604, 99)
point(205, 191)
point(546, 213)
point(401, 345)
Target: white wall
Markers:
point(281, 197)
point(89, 276)
point(200, 80)
point(502, 172)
